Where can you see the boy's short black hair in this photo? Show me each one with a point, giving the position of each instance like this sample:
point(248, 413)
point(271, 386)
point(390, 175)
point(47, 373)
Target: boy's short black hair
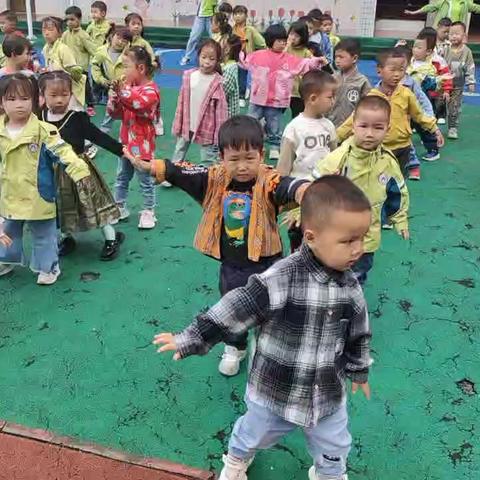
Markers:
point(315, 14)
point(384, 55)
point(226, 8)
point(75, 11)
point(327, 195)
point(9, 15)
point(240, 131)
point(305, 19)
point(373, 102)
point(301, 29)
point(315, 81)
point(326, 18)
point(459, 24)
point(15, 45)
point(102, 6)
point(445, 22)
point(240, 9)
point(273, 33)
point(430, 35)
point(349, 45)
point(406, 51)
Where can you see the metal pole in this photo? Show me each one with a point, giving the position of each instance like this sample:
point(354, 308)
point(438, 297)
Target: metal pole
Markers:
point(28, 7)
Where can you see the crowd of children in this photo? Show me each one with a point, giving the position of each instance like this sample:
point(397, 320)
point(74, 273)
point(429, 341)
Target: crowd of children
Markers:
point(343, 161)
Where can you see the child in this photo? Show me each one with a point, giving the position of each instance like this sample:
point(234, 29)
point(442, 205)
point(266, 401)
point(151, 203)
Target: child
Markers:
point(107, 63)
point(310, 136)
point(273, 73)
point(31, 151)
point(134, 22)
point(59, 56)
point(312, 332)
point(391, 69)
point(17, 52)
point(252, 40)
point(297, 42)
point(353, 85)
point(443, 32)
point(456, 10)
point(327, 27)
point(8, 26)
point(75, 128)
point(137, 103)
point(201, 24)
point(374, 169)
point(82, 47)
point(240, 200)
point(315, 19)
point(202, 106)
point(99, 27)
point(226, 9)
point(429, 70)
point(460, 61)
point(231, 57)
point(221, 29)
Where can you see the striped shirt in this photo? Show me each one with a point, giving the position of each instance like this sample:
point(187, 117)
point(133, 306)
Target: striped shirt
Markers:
point(312, 331)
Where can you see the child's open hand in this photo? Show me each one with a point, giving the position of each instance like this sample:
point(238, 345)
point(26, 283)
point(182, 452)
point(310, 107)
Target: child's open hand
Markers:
point(136, 161)
point(365, 387)
point(405, 234)
point(291, 219)
point(168, 342)
point(446, 96)
point(440, 139)
point(5, 240)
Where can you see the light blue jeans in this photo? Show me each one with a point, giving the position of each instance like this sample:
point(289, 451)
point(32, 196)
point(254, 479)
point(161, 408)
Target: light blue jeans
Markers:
point(200, 25)
point(208, 153)
point(44, 244)
point(328, 442)
point(273, 120)
point(125, 173)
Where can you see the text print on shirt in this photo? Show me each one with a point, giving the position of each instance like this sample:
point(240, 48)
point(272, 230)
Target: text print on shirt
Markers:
point(314, 141)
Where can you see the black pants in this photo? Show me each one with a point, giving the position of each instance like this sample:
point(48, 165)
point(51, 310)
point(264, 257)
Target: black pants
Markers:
point(439, 107)
point(428, 139)
point(361, 268)
point(403, 158)
point(296, 106)
point(89, 98)
point(295, 235)
point(233, 276)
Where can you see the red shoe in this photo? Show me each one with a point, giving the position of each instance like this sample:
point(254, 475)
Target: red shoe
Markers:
point(414, 173)
point(91, 111)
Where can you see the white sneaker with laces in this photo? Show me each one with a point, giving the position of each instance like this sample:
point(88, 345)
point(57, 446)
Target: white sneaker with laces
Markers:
point(441, 121)
point(230, 363)
point(242, 103)
point(48, 278)
point(124, 212)
point(312, 475)
point(274, 154)
point(6, 268)
point(184, 61)
point(166, 184)
point(234, 468)
point(147, 220)
point(453, 133)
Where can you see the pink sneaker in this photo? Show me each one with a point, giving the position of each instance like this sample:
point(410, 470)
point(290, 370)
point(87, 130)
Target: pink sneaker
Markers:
point(147, 220)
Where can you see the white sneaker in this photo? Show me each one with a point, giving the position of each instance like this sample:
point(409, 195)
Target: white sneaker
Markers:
point(124, 212)
point(274, 154)
point(453, 133)
point(234, 468)
point(312, 475)
point(6, 268)
point(441, 121)
point(242, 103)
point(147, 220)
point(166, 184)
point(184, 61)
point(48, 278)
point(230, 363)
point(91, 152)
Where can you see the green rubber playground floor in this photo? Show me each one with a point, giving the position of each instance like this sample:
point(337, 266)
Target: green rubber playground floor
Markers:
point(77, 358)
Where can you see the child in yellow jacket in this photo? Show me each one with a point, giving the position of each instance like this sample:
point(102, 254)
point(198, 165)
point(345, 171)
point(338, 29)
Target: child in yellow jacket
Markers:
point(99, 27)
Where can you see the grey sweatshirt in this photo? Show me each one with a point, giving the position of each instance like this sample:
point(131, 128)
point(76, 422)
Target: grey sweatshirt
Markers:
point(461, 65)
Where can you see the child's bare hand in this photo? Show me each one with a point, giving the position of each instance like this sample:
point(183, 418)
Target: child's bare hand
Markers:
point(471, 88)
point(5, 240)
point(167, 340)
point(405, 234)
point(440, 139)
point(301, 192)
point(365, 387)
point(446, 96)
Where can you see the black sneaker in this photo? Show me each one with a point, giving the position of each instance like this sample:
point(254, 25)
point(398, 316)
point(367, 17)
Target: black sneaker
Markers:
point(112, 247)
point(66, 246)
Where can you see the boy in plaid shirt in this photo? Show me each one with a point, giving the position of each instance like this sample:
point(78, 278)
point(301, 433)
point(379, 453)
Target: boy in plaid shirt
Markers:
point(312, 331)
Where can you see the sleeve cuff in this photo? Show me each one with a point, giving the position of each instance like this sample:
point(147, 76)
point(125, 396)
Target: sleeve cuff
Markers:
point(400, 226)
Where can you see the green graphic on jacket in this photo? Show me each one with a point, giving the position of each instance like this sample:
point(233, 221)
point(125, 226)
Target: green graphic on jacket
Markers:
point(236, 216)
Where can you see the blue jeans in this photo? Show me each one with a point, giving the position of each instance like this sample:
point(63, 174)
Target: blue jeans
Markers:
point(242, 81)
point(361, 268)
point(125, 173)
point(107, 123)
point(273, 119)
point(328, 441)
point(208, 153)
point(44, 243)
point(200, 25)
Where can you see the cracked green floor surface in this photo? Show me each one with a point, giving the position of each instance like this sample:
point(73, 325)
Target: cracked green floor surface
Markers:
point(77, 359)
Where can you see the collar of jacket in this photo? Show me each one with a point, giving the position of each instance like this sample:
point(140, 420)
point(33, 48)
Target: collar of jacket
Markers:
point(29, 134)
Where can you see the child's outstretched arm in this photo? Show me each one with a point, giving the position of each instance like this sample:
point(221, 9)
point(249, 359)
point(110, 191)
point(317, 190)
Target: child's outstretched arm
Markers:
point(287, 156)
point(237, 312)
point(96, 136)
point(428, 123)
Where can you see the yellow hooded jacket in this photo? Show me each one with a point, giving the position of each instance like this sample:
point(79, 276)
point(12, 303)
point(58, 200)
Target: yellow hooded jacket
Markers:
point(27, 176)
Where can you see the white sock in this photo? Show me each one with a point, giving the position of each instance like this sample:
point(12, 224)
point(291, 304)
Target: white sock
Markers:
point(108, 232)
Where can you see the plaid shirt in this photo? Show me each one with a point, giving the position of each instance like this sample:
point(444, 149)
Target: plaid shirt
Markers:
point(312, 331)
point(213, 112)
